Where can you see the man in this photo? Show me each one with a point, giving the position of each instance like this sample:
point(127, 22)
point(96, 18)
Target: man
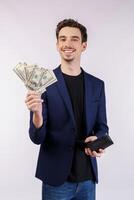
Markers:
point(71, 110)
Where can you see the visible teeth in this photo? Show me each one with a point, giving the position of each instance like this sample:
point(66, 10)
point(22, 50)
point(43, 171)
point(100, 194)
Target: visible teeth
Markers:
point(68, 51)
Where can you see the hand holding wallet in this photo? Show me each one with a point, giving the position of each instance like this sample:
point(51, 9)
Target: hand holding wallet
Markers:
point(100, 143)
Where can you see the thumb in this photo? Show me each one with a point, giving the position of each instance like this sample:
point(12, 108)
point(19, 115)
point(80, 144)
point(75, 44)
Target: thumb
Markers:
point(90, 138)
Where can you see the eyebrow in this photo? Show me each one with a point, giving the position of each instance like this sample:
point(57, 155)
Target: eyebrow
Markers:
point(73, 36)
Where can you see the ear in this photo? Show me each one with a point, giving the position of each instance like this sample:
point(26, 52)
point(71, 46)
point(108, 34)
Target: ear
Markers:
point(84, 46)
point(57, 46)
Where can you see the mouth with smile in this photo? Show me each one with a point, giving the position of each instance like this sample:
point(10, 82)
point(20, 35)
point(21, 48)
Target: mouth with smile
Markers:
point(68, 51)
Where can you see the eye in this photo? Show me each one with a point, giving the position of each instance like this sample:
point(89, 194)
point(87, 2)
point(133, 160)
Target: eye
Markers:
point(74, 39)
point(62, 39)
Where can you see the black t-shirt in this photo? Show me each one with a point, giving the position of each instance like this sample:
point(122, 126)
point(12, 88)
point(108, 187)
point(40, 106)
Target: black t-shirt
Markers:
point(81, 166)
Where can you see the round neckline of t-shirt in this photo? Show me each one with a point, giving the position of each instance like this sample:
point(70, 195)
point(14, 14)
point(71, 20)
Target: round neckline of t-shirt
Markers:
point(72, 76)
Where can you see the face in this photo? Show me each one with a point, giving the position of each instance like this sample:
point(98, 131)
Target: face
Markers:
point(69, 44)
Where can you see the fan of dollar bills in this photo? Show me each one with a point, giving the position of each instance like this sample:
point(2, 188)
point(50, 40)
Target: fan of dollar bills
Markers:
point(34, 77)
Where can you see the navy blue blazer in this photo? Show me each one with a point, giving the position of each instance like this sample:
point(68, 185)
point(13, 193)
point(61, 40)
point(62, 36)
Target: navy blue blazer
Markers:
point(57, 134)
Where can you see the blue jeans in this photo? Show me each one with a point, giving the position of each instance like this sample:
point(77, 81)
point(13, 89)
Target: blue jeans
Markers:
point(69, 191)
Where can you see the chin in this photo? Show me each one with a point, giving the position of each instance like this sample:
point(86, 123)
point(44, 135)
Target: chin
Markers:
point(68, 59)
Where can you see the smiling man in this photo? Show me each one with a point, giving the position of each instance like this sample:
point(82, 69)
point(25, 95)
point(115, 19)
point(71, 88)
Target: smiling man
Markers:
point(70, 45)
point(71, 110)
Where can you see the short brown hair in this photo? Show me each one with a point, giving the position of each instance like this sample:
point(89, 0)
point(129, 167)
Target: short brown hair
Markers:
point(72, 23)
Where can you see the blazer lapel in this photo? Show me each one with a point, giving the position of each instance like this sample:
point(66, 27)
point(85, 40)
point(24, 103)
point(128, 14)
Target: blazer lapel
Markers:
point(88, 101)
point(63, 92)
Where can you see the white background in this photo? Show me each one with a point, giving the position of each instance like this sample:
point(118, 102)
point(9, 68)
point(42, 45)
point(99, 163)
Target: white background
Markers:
point(27, 33)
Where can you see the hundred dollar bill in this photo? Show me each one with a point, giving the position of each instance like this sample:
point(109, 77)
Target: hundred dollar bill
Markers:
point(29, 70)
point(19, 69)
point(47, 78)
point(34, 77)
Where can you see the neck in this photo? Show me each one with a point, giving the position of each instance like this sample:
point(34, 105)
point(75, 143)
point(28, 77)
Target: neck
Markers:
point(70, 68)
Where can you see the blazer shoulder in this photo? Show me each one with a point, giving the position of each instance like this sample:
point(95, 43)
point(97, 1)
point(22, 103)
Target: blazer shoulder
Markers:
point(94, 79)
point(56, 69)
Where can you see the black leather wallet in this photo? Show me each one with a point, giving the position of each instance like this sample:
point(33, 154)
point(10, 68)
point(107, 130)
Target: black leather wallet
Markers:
point(100, 143)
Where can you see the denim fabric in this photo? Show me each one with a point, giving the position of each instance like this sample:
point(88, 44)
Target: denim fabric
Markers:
point(69, 191)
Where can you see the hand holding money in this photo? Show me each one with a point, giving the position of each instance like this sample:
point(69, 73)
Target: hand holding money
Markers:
point(34, 77)
point(36, 80)
point(34, 103)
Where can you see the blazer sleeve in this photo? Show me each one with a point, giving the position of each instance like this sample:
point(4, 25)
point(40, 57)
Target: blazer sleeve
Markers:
point(101, 127)
point(37, 135)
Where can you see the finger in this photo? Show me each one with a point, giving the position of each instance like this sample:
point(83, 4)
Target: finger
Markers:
point(86, 151)
point(37, 101)
point(101, 150)
point(32, 106)
point(90, 138)
point(94, 153)
point(32, 92)
point(89, 151)
point(28, 99)
point(34, 100)
point(29, 96)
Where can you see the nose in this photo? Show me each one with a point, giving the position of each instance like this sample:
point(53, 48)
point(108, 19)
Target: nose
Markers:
point(68, 43)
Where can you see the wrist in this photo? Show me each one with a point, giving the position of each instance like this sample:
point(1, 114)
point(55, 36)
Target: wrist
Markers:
point(37, 113)
point(37, 119)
